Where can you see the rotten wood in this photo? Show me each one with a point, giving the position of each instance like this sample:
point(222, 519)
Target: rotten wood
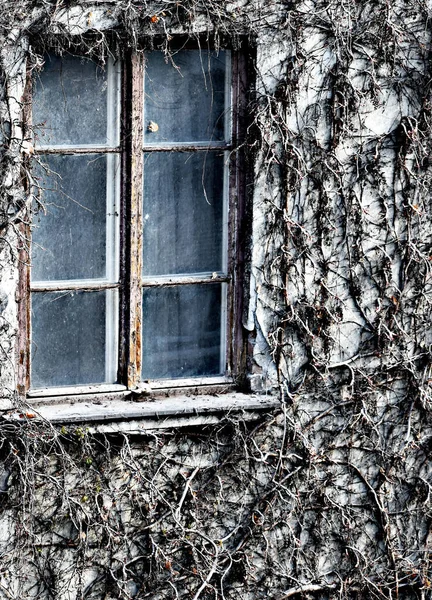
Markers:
point(103, 388)
point(166, 282)
point(72, 286)
point(178, 147)
point(125, 144)
point(23, 343)
point(76, 150)
point(23, 300)
point(187, 147)
point(110, 409)
point(135, 220)
point(190, 382)
point(161, 388)
point(238, 231)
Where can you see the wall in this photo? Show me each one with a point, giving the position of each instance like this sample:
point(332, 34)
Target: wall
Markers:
point(328, 497)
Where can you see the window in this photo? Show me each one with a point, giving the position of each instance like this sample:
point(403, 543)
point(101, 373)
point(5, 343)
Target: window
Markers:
point(133, 273)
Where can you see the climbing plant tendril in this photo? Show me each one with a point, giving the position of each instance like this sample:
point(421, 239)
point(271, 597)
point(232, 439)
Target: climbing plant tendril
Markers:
point(328, 497)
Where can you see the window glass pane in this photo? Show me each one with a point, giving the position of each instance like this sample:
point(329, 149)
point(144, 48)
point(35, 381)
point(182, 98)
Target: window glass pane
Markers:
point(181, 331)
point(75, 102)
point(183, 213)
point(69, 240)
point(184, 97)
point(69, 338)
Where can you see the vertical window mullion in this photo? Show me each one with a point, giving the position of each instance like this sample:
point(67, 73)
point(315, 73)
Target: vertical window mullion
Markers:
point(239, 229)
point(136, 187)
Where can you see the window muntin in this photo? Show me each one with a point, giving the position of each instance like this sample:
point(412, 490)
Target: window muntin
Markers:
point(177, 230)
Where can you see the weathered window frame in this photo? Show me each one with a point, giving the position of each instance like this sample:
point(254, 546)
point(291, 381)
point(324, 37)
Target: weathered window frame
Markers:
point(130, 150)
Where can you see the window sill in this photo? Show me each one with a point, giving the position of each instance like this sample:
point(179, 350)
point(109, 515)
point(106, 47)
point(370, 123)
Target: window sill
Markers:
point(134, 417)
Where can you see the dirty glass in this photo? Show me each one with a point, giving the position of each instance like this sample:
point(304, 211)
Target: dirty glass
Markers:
point(181, 331)
point(183, 212)
point(69, 234)
point(184, 96)
point(68, 338)
point(72, 103)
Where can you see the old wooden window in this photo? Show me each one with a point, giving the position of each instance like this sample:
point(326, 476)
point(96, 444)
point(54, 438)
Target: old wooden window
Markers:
point(134, 244)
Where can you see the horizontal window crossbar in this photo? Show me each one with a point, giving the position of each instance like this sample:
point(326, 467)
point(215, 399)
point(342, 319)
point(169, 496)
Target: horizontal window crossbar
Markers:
point(190, 382)
point(76, 390)
point(175, 147)
point(184, 280)
point(146, 388)
point(185, 147)
point(60, 286)
point(77, 150)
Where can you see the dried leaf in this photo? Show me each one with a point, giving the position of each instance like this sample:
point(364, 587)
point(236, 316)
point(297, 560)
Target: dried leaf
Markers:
point(153, 127)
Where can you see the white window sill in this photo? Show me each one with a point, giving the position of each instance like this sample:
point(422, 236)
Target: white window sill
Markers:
point(114, 415)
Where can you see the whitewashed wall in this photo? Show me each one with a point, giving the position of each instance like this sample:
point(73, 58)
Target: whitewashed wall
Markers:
point(328, 497)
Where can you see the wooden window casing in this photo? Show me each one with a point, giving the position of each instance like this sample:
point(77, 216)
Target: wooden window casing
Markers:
point(131, 283)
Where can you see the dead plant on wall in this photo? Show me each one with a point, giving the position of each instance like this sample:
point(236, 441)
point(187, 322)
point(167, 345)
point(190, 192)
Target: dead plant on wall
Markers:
point(329, 497)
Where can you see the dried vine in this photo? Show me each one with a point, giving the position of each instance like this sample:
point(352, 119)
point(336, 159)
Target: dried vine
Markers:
point(330, 497)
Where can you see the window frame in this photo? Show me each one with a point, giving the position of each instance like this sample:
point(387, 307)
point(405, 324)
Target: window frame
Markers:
point(130, 150)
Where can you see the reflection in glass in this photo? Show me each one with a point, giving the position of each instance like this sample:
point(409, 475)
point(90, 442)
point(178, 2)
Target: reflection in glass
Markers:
point(184, 98)
point(68, 338)
point(183, 213)
point(181, 331)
